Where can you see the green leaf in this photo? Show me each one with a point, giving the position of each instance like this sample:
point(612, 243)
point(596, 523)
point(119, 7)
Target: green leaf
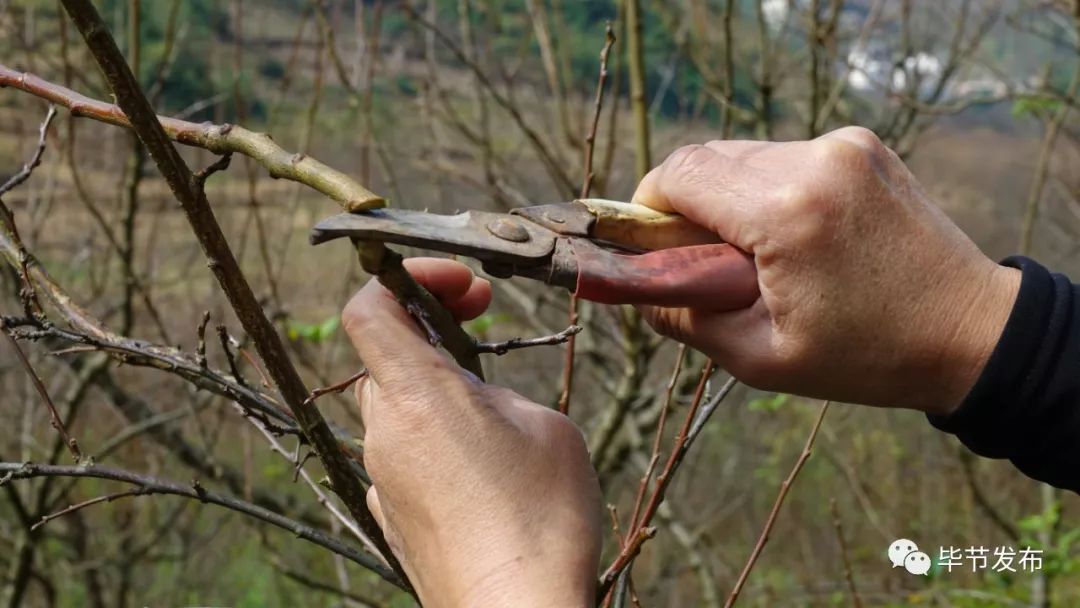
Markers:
point(313, 332)
point(482, 324)
point(1034, 105)
point(769, 404)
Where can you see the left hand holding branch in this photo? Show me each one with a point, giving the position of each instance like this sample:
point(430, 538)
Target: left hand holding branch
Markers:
point(486, 497)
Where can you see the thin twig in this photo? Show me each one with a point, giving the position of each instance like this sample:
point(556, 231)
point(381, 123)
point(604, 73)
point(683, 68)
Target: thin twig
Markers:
point(35, 160)
point(31, 303)
point(141, 491)
point(143, 354)
point(784, 487)
point(669, 390)
point(57, 423)
point(586, 186)
point(254, 365)
point(154, 485)
point(220, 164)
point(613, 512)
point(551, 163)
point(227, 342)
point(849, 577)
point(501, 348)
point(335, 388)
point(708, 409)
point(627, 555)
point(200, 348)
point(678, 453)
point(590, 139)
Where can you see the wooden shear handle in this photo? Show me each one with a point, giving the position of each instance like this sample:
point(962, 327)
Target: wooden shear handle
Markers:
point(716, 277)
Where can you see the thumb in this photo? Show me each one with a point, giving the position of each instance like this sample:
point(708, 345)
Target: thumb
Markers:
point(387, 337)
point(710, 185)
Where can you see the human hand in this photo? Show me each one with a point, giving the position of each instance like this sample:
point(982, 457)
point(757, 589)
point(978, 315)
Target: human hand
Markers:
point(869, 293)
point(485, 497)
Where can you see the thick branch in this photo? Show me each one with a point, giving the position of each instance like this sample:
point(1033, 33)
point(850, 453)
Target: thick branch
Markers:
point(221, 260)
point(220, 139)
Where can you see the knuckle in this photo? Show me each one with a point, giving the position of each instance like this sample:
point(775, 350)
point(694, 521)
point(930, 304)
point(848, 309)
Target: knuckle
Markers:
point(852, 147)
point(862, 137)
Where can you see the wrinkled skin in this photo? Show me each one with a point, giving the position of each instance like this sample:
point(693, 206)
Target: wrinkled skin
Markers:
point(487, 498)
point(869, 294)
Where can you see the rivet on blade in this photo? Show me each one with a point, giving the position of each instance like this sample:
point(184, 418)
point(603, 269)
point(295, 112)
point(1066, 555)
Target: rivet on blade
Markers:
point(554, 217)
point(508, 230)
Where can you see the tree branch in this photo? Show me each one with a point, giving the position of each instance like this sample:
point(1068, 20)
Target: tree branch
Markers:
point(57, 422)
point(501, 348)
point(153, 485)
point(771, 521)
point(219, 139)
point(154, 135)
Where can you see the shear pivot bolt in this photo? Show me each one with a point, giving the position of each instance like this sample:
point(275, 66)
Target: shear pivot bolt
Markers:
point(508, 230)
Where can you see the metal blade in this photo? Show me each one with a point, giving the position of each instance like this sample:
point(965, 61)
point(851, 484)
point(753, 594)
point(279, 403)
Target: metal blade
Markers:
point(489, 237)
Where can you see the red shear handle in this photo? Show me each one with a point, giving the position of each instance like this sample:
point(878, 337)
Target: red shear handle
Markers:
point(716, 277)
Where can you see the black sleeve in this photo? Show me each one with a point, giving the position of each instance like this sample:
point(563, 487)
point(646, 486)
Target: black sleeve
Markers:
point(1026, 404)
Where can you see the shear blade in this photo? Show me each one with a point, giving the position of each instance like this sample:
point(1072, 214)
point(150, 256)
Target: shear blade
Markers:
point(465, 234)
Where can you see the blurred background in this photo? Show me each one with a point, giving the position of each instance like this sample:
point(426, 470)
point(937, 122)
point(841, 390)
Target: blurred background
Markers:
point(486, 104)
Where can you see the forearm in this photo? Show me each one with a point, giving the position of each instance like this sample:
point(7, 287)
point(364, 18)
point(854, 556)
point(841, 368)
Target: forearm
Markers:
point(1025, 405)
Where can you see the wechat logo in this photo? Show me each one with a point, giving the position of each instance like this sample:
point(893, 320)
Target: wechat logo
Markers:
point(905, 554)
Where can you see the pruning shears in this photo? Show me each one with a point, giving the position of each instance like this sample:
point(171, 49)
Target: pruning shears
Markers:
point(604, 251)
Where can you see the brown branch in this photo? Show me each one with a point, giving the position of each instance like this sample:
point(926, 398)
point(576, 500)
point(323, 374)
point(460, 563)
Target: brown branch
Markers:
point(148, 355)
point(31, 304)
point(501, 348)
point(88, 503)
point(568, 358)
point(28, 167)
point(680, 357)
point(586, 186)
point(613, 513)
point(440, 325)
point(200, 348)
point(335, 388)
point(631, 550)
point(154, 485)
point(219, 139)
point(552, 164)
point(153, 132)
point(849, 577)
point(57, 422)
point(771, 521)
point(598, 105)
point(678, 453)
point(227, 342)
